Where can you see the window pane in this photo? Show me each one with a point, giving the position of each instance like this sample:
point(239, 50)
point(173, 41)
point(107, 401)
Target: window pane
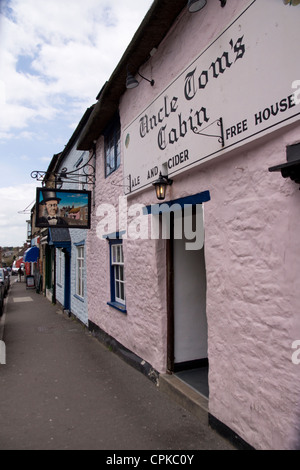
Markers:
point(112, 158)
point(113, 254)
point(118, 149)
point(117, 254)
point(80, 271)
point(117, 273)
point(117, 290)
point(113, 148)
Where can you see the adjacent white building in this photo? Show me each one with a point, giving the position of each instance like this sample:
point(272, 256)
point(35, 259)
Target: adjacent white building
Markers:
point(70, 265)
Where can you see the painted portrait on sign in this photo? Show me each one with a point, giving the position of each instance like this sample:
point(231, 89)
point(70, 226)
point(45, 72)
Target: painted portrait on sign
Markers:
point(63, 208)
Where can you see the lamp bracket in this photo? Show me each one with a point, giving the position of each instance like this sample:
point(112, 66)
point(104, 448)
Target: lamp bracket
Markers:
point(150, 81)
point(127, 185)
point(219, 137)
point(167, 180)
point(289, 170)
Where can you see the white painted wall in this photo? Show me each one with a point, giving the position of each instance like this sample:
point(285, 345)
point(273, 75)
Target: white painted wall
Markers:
point(79, 306)
point(252, 247)
point(190, 324)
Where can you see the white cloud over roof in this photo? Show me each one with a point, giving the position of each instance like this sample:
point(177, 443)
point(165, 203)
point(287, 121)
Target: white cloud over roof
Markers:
point(58, 54)
point(55, 56)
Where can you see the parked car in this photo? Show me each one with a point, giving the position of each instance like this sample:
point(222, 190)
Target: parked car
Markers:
point(1, 298)
point(5, 280)
point(14, 270)
point(7, 274)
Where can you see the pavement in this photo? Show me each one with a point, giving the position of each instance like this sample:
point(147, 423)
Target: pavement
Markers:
point(62, 389)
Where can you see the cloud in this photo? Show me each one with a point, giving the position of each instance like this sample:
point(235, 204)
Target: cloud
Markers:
point(55, 56)
point(12, 222)
point(2, 93)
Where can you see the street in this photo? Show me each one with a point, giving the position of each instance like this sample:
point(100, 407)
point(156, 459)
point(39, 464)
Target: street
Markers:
point(61, 389)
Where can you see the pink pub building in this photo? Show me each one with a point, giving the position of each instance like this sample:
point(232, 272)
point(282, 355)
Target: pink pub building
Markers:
point(194, 250)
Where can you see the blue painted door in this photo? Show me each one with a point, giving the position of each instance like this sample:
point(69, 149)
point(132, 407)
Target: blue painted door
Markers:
point(67, 302)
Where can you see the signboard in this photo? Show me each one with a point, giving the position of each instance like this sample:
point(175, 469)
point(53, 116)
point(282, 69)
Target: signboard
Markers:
point(63, 208)
point(237, 89)
point(30, 282)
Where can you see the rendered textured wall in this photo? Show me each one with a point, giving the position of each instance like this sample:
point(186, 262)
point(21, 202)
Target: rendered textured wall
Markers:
point(142, 328)
point(252, 256)
point(252, 249)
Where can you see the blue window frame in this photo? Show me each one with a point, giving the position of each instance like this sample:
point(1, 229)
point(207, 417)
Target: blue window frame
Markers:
point(80, 271)
point(117, 275)
point(60, 274)
point(112, 139)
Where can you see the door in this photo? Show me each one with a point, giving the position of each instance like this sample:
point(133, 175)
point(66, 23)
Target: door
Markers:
point(188, 339)
point(190, 325)
point(67, 294)
point(50, 273)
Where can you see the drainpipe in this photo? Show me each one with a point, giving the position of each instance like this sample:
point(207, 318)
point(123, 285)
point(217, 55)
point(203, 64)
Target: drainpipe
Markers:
point(54, 277)
point(94, 186)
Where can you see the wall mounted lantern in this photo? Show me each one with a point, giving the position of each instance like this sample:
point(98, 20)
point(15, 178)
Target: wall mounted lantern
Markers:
point(131, 82)
point(291, 168)
point(161, 186)
point(197, 5)
point(291, 2)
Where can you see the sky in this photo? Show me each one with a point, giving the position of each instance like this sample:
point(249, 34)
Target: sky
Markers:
point(55, 56)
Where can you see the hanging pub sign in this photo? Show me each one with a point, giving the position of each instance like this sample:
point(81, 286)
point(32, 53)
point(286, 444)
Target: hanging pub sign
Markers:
point(238, 89)
point(63, 208)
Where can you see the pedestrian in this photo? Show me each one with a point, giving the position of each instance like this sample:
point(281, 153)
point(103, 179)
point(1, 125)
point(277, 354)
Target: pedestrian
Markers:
point(20, 272)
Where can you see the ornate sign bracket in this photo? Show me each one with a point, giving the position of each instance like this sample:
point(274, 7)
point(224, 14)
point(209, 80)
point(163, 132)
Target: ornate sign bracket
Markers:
point(84, 175)
point(220, 137)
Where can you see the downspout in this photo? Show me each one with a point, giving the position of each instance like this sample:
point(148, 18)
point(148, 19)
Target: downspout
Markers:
point(94, 183)
point(54, 277)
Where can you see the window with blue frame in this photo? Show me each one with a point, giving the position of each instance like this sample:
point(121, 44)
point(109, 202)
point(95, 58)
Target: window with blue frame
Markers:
point(112, 141)
point(80, 271)
point(60, 267)
point(117, 275)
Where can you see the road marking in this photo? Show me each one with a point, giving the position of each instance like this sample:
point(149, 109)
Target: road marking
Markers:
point(2, 353)
point(2, 323)
point(22, 299)
point(3, 318)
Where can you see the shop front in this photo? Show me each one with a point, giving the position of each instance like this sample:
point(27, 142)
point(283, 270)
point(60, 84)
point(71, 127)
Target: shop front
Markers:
point(31, 258)
point(58, 238)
